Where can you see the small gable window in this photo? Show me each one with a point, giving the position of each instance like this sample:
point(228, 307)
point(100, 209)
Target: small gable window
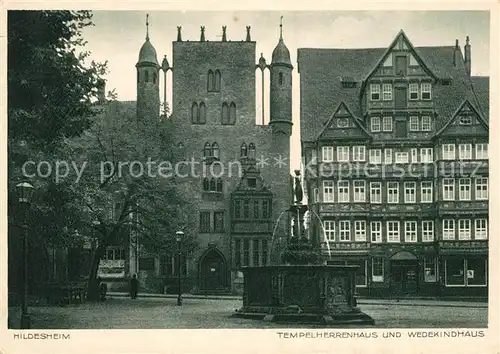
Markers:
point(375, 124)
point(374, 92)
point(388, 61)
point(425, 89)
point(251, 151)
point(387, 92)
point(243, 150)
point(465, 120)
point(342, 122)
point(413, 91)
point(232, 113)
point(413, 61)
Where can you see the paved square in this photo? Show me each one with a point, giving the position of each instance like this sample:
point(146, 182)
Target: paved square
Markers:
point(158, 313)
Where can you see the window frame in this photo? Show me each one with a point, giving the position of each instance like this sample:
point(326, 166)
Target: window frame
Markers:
point(342, 191)
point(375, 122)
point(360, 232)
point(448, 189)
point(411, 91)
point(332, 192)
point(360, 195)
point(483, 188)
point(425, 88)
point(448, 230)
point(380, 263)
point(394, 189)
point(465, 151)
point(414, 124)
point(375, 90)
point(394, 235)
point(426, 124)
point(387, 92)
point(426, 190)
point(374, 186)
point(330, 230)
point(481, 154)
point(447, 152)
point(344, 234)
point(411, 236)
point(375, 156)
point(343, 153)
point(480, 230)
point(327, 153)
point(376, 231)
point(427, 230)
point(408, 187)
point(465, 184)
point(465, 230)
point(359, 153)
point(426, 155)
point(387, 124)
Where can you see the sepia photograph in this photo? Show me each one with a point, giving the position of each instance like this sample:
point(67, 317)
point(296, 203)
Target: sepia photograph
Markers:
point(281, 170)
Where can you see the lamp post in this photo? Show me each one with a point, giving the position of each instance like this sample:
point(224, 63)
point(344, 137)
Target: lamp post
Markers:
point(24, 193)
point(178, 238)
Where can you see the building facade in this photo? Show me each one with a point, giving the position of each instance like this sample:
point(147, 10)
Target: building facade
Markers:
point(395, 151)
point(237, 190)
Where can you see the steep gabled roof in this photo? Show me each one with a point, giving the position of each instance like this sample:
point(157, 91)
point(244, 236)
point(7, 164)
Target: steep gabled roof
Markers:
point(342, 106)
point(400, 35)
point(465, 106)
point(481, 86)
point(321, 72)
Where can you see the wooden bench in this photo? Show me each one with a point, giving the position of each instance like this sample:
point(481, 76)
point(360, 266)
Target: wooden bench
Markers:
point(64, 293)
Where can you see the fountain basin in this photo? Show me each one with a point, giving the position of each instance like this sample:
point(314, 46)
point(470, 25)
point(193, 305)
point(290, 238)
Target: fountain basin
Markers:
point(307, 294)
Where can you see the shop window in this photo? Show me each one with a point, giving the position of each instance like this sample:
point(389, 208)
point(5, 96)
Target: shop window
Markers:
point(430, 269)
point(377, 269)
point(454, 272)
point(476, 272)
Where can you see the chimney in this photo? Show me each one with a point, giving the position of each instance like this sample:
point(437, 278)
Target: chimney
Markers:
point(467, 55)
point(101, 91)
point(456, 54)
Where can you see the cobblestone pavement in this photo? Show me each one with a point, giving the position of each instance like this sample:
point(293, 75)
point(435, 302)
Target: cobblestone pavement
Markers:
point(156, 313)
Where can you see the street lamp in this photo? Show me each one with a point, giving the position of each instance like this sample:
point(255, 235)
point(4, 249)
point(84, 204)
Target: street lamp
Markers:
point(24, 194)
point(178, 238)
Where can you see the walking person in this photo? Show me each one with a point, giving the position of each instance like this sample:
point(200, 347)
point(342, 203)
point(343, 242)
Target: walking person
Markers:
point(134, 286)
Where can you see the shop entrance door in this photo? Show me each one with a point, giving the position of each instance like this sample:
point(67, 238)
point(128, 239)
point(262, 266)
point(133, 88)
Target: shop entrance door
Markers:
point(404, 274)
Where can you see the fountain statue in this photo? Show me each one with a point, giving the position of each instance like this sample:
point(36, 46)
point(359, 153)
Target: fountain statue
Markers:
point(301, 289)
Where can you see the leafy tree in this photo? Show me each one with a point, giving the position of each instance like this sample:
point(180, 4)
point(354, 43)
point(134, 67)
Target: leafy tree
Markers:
point(122, 196)
point(50, 96)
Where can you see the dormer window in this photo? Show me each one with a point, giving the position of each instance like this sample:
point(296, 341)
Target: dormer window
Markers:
point(375, 92)
point(465, 120)
point(425, 91)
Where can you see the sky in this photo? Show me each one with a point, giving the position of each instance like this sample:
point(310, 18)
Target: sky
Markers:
point(118, 35)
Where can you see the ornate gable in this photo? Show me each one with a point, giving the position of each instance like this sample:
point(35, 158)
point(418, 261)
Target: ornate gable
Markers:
point(251, 183)
point(343, 125)
point(466, 121)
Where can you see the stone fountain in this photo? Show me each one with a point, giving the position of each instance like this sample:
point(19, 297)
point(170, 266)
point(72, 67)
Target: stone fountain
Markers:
point(301, 289)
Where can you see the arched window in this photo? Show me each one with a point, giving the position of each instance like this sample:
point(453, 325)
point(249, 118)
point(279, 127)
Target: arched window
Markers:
point(206, 185)
point(225, 113)
point(251, 150)
point(154, 78)
point(232, 113)
point(217, 81)
point(215, 150)
point(210, 81)
point(244, 152)
point(202, 119)
point(219, 185)
point(207, 150)
point(212, 184)
point(194, 113)
point(280, 76)
point(146, 76)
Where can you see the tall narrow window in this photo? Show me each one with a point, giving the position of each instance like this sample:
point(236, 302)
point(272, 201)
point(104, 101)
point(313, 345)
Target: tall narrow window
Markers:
point(146, 76)
point(426, 192)
point(345, 230)
point(343, 191)
point(414, 126)
point(256, 211)
point(251, 151)
point(426, 124)
point(246, 252)
point(426, 155)
point(255, 253)
point(207, 150)
point(387, 156)
point(481, 229)
point(376, 231)
point(219, 185)
point(410, 231)
point(387, 124)
point(375, 192)
point(219, 221)
point(413, 91)
point(448, 189)
point(448, 229)
point(232, 113)
point(481, 188)
point(194, 113)
point(342, 153)
point(243, 150)
point(280, 77)
point(392, 231)
point(206, 184)
point(358, 153)
point(375, 124)
point(329, 230)
point(410, 192)
point(327, 153)
point(213, 185)
point(205, 221)
point(154, 78)
point(482, 151)
point(210, 81)
point(464, 189)
point(265, 209)
point(359, 191)
point(465, 151)
point(360, 230)
point(377, 269)
point(246, 209)
point(328, 191)
point(375, 92)
point(427, 230)
point(217, 80)
point(387, 92)
point(425, 91)
point(225, 113)
point(392, 192)
point(237, 209)
point(464, 229)
point(215, 150)
point(264, 252)
point(202, 119)
point(237, 253)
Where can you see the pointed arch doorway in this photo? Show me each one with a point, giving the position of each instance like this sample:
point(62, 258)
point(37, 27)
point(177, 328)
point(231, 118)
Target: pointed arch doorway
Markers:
point(212, 271)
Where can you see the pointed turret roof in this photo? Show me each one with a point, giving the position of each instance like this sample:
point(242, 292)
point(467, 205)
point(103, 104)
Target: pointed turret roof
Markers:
point(281, 54)
point(147, 54)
